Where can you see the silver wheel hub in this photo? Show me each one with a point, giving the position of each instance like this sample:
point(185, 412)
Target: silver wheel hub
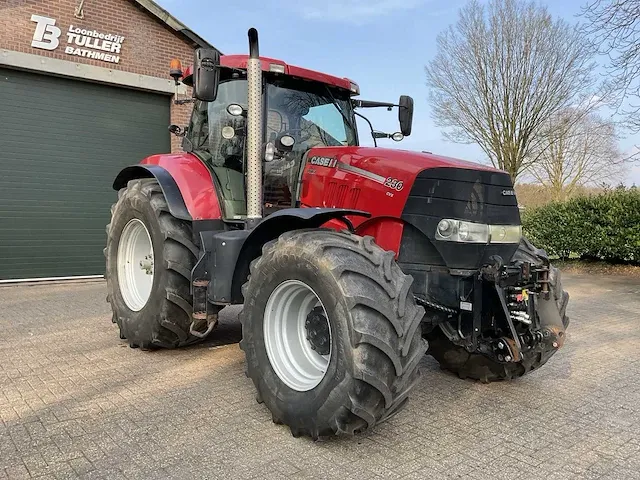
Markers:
point(296, 352)
point(135, 264)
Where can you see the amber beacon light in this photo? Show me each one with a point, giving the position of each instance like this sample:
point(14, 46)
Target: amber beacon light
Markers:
point(175, 70)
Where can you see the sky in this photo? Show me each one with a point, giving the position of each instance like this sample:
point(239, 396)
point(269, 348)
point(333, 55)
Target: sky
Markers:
point(383, 45)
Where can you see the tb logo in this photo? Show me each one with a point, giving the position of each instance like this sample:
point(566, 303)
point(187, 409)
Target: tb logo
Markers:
point(47, 35)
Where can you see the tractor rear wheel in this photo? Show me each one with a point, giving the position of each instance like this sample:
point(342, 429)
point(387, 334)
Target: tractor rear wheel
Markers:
point(330, 332)
point(476, 366)
point(149, 257)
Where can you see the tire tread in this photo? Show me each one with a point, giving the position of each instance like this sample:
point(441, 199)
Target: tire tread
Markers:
point(384, 351)
point(171, 327)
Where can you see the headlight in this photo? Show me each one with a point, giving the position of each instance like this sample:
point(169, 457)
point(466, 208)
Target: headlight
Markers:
point(468, 232)
point(459, 231)
point(505, 233)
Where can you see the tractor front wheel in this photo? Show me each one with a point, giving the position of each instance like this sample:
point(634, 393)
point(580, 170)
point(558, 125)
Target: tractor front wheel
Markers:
point(330, 332)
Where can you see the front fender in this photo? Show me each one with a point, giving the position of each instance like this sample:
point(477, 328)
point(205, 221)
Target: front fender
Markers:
point(299, 218)
point(275, 225)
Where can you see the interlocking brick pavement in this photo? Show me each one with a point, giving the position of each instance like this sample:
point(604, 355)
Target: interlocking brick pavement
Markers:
point(75, 402)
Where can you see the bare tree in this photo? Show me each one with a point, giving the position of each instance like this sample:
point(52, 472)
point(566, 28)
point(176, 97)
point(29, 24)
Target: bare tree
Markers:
point(614, 26)
point(502, 72)
point(577, 150)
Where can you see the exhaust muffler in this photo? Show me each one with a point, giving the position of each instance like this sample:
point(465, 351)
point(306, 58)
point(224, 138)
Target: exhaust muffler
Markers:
point(254, 132)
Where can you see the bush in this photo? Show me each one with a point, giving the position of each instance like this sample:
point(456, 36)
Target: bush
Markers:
point(532, 195)
point(605, 226)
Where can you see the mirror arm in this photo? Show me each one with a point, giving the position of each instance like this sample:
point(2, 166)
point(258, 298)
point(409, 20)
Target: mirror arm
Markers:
point(184, 101)
point(375, 144)
point(377, 134)
point(370, 104)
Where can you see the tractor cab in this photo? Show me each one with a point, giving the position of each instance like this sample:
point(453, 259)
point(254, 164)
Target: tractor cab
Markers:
point(299, 114)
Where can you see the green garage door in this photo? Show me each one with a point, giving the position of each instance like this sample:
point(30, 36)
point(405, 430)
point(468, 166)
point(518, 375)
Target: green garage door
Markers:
point(62, 142)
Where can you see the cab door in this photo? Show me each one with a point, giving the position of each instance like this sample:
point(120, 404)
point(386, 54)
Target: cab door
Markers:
point(218, 139)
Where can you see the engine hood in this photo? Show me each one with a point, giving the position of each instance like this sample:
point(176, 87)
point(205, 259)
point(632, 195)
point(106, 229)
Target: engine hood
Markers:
point(419, 189)
point(378, 179)
point(405, 160)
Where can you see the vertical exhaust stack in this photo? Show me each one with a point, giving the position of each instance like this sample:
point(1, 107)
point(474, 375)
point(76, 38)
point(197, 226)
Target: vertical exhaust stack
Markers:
point(254, 132)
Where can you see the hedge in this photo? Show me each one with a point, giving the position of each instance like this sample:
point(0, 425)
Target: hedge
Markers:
point(605, 227)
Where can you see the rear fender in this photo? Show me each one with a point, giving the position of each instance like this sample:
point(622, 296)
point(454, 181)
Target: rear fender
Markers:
point(185, 181)
point(168, 185)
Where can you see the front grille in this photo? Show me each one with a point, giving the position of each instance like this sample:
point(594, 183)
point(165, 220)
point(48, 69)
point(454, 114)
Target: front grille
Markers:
point(472, 195)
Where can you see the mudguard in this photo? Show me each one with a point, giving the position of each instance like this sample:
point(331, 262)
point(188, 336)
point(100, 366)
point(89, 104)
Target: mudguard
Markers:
point(230, 271)
point(168, 185)
point(185, 181)
point(298, 218)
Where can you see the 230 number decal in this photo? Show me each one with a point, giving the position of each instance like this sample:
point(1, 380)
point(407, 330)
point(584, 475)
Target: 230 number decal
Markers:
point(394, 183)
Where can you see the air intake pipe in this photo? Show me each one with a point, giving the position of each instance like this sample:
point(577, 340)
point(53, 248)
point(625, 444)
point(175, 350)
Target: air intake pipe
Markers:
point(254, 132)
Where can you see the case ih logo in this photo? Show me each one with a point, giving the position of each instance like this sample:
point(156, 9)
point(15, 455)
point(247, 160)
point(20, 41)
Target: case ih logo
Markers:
point(508, 193)
point(95, 45)
point(324, 161)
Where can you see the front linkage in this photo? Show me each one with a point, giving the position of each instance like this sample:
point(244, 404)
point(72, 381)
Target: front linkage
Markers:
point(534, 323)
point(512, 315)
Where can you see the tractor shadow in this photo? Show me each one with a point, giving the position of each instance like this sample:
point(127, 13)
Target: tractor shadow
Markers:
point(228, 331)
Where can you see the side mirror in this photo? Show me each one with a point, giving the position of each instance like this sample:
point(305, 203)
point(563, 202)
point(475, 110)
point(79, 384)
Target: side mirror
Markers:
point(405, 114)
point(206, 74)
point(177, 130)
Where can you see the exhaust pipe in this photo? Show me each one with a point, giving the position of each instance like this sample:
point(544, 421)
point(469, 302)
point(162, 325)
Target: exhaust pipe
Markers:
point(254, 132)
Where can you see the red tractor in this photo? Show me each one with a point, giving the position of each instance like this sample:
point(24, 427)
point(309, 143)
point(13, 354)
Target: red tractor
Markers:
point(349, 260)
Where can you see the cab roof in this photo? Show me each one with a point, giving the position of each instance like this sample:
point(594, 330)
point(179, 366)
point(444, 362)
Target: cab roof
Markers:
point(240, 61)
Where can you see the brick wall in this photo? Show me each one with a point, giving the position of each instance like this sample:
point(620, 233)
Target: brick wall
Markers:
point(147, 48)
point(180, 115)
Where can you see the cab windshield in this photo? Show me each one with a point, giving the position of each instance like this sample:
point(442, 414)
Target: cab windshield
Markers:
point(313, 114)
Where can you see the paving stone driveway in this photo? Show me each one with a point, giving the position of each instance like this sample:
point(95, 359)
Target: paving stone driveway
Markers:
point(76, 402)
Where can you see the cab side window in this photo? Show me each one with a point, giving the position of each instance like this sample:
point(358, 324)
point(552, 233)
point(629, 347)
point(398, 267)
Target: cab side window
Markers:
point(198, 125)
point(224, 147)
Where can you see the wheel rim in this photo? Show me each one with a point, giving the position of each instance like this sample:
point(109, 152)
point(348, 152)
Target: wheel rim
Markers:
point(135, 265)
point(290, 352)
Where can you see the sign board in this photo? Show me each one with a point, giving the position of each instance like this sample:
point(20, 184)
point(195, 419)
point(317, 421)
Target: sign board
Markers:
point(81, 42)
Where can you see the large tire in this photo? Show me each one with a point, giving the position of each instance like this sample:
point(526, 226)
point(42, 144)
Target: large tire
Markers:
point(480, 367)
point(165, 318)
point(376, 341)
